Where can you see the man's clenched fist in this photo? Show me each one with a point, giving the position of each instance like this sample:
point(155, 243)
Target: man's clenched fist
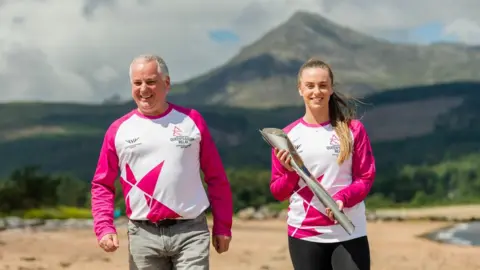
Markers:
point(221, 243)
point(109, 242)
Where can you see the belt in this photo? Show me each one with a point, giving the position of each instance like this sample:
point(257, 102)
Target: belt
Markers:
point(161, 223)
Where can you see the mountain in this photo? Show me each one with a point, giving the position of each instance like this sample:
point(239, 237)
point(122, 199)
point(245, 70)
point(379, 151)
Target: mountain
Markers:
point(263, 74)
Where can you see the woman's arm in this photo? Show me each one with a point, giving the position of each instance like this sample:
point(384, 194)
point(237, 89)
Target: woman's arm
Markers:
point(363, 168)
point(283, 181)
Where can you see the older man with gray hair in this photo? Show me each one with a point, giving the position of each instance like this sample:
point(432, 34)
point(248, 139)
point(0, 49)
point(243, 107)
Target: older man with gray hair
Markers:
point(159, 149)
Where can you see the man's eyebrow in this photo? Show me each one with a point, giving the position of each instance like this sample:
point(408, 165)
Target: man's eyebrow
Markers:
point(324, 81)
point(146, 79)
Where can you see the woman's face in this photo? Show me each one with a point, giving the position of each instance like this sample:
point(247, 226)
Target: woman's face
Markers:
point(315, 87)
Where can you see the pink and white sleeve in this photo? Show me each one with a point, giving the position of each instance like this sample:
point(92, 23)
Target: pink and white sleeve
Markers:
point(218, 186)
point(103, 186)
point(283, 181)
point(363, 168)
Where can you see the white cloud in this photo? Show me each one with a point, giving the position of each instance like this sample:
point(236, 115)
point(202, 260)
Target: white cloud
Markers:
point(80, 50)
point(464, 29)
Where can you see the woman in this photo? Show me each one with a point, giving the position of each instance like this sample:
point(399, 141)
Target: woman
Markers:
point(337, 151)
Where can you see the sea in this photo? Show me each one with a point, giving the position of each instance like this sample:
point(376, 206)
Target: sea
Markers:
point(466, 234)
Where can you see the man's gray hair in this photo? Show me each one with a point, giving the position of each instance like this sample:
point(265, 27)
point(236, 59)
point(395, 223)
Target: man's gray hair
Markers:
point(161, 65)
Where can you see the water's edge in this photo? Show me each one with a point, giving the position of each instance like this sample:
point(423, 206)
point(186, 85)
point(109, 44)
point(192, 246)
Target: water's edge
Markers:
point(462, 234)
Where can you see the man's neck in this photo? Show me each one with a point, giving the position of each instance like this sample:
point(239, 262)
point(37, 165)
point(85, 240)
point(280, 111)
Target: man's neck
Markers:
point(157, 112)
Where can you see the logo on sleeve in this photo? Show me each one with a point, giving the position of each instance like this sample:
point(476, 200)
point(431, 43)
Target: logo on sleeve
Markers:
point(181, 140)
point(334, 145)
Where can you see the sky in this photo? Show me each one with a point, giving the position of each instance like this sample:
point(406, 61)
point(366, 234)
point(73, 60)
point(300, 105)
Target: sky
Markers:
point(80, 51)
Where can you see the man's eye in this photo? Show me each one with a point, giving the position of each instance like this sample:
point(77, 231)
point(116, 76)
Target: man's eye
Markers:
point(151, 82)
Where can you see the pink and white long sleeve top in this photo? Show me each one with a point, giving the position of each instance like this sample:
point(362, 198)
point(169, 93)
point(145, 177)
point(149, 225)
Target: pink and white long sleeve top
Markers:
point(318, 145)
point(160, 160)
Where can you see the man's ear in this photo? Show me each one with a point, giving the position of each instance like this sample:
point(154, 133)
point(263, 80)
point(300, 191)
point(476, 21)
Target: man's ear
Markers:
point(167, 82)
point(300, 92)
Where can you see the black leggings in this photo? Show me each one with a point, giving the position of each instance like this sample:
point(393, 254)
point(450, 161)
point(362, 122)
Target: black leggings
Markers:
point(349, 255)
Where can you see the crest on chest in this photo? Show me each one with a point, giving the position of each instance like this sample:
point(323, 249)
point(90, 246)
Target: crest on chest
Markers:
point(334, 145)
point(181, 137)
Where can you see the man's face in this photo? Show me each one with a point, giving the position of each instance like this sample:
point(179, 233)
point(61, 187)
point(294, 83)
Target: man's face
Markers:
point(149, 89)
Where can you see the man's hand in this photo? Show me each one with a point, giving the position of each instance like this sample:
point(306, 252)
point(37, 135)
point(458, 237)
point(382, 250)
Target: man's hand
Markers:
point(330, 213)
point(221, 243)
point(109, 242)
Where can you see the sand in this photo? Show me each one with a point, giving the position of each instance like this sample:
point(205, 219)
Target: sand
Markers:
point(255, 245)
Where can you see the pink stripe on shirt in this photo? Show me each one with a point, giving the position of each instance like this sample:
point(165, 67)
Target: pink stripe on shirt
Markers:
point(103, 182)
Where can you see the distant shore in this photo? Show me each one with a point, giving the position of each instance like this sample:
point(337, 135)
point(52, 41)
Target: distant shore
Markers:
point(449, 214)
point(452, 213)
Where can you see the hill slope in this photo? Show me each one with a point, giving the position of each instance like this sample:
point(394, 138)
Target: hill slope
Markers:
point(408, 126)
point(263, 74)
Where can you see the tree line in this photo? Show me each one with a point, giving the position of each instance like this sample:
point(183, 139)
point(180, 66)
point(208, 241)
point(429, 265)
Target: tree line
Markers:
point(30, 191)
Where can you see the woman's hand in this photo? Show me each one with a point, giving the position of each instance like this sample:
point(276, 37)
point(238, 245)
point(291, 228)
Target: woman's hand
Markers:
point(284, 159)
point(330, 213)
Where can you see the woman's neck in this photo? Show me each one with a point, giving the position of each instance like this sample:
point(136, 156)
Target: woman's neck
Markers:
point(316, 117)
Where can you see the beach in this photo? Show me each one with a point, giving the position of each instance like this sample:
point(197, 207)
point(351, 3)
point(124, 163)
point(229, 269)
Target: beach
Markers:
point(255, 245)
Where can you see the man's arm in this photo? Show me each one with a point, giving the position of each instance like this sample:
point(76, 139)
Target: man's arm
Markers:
point(218, 186)
point(103, 187)
point(363, 168)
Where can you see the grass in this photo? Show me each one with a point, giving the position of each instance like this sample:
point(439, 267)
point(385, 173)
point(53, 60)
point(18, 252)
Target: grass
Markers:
point(466, 209)
point(61, 212)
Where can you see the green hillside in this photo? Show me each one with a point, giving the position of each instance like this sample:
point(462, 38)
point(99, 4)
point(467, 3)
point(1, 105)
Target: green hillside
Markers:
point(67, 137)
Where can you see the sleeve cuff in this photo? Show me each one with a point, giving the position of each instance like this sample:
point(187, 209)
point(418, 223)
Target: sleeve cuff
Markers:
point(339, 197)
point(222, 232)
point(105, 231)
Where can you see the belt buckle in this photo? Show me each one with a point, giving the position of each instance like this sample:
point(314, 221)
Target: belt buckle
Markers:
point(166, 222)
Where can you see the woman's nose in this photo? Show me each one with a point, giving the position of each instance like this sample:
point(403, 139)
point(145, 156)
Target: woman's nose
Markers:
point(317, 91)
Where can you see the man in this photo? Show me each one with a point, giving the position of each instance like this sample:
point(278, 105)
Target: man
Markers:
point(159, 149)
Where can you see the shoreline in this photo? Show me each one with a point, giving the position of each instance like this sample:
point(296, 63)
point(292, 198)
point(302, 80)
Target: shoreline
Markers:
point(451, 213)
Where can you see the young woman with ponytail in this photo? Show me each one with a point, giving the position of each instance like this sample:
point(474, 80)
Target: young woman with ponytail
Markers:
point(336, 149)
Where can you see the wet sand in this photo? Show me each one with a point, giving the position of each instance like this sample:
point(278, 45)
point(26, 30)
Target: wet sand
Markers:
point(255, 245)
